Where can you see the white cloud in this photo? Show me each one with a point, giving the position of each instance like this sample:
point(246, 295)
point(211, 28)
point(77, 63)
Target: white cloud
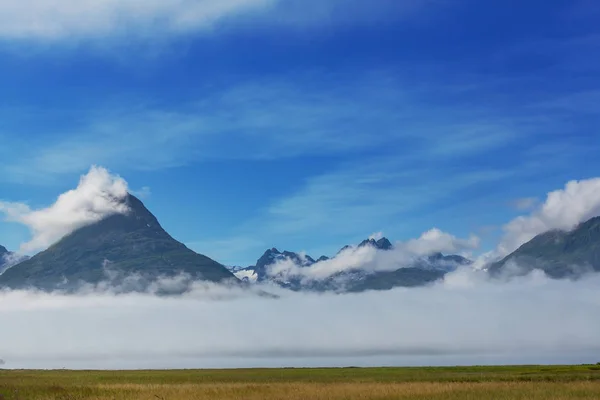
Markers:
point(98, 195)
point(67, 19)
point(369, 259)
point(249, 275)
point(454, 322)
point(563, 209)
point(435, 240)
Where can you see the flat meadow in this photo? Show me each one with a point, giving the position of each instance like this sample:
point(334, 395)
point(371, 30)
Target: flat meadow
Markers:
point(443, 383)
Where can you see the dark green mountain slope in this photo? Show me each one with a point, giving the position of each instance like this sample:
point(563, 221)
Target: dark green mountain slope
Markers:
point(559, 254)
point(116, 247)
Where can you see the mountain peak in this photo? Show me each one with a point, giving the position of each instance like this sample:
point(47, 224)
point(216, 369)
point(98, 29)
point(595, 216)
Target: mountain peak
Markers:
point(128, 244)
point(381, 244)
point(560, 254)
point(384, 244)
point(368, 242)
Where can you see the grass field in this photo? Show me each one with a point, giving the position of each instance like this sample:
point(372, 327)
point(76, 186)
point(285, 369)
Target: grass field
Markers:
point(519, 382)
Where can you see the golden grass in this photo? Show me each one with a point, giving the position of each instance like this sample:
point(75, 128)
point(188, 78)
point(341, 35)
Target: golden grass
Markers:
point(358, 391)
point(502, 383)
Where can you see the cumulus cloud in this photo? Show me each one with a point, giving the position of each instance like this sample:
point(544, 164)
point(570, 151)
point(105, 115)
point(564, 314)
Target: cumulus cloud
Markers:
point(98, 195)
point(465, 319)
point(563, 210)
point(369, 259)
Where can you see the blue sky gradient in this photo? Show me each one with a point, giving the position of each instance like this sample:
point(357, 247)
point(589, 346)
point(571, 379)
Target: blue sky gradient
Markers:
point(306, 125)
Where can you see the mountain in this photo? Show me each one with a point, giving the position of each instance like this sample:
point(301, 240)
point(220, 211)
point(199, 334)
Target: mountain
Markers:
point(422, 271)
point(559, 254)
point(272, 256)
point(387, 280)
point(441, 262)
point(117, 247)
point(381, 244)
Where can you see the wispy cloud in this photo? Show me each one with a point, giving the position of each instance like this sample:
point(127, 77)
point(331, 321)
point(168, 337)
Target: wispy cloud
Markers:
point(46, 21)
point(284, 117)
point(371, 194)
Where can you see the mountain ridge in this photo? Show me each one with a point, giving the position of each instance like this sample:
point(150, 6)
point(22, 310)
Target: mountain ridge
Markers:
point(421, 272)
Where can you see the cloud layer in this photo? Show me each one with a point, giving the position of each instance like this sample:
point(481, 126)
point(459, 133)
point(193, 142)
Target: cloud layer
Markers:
point(98, 195)
point(464, 317)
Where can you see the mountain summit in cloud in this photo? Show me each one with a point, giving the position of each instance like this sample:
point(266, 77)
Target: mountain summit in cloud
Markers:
point(375, 264)
point(116, 248)
point(559, 253)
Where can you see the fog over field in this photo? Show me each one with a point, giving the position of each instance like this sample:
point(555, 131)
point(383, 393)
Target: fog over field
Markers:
point(466, 319)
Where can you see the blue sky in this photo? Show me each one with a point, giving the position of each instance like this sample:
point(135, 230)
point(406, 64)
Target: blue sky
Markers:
point(304, 125)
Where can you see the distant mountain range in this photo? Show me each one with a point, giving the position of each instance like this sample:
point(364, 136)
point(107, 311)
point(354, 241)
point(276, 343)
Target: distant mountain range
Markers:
point(132, 250)
point(421, 271)
point(118, 247)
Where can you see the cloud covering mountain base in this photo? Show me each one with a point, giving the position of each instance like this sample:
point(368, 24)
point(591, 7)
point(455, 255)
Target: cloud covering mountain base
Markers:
point(465, 319)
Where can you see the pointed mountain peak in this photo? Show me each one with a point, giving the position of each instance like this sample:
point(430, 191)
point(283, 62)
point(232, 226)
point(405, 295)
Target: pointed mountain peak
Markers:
point(323, 258)
point(381, 244)
point(126, 244)
point(368, 242)
point(384, 244)
point(3, 250)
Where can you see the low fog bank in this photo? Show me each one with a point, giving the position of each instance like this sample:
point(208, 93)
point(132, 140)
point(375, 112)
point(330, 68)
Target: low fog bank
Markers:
point(465, 319)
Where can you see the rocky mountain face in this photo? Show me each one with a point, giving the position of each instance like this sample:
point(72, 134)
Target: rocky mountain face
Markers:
point(381, 244)
point(422, 271)
point(118, 247)
point(559, 254)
